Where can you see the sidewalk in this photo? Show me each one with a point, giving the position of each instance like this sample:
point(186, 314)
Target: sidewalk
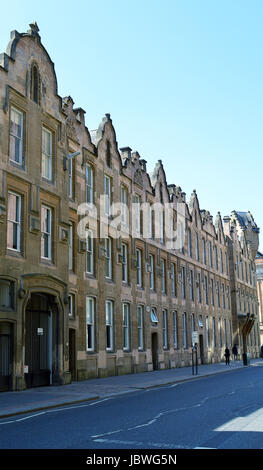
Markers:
point(34, 399)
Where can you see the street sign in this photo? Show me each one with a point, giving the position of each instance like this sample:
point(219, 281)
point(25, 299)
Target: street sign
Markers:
point(195, 337)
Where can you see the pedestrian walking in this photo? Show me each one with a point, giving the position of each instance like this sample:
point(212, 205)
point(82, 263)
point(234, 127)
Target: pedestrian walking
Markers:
point(261, 351)
point(227, 355)
point(234, 351)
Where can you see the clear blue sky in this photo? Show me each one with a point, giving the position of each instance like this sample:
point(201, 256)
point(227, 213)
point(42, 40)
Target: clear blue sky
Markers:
point(182, 80)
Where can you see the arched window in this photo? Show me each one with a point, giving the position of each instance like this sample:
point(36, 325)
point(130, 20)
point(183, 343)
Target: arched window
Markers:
point(35, 84)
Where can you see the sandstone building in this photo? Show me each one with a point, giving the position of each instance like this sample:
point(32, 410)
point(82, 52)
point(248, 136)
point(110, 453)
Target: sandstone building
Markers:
point(259, 273)
point(124, 298)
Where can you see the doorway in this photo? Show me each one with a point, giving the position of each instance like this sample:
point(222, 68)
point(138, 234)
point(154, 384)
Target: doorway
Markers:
point(38, 341)
point(201, 348)
point(6, 356)
point(155, 351)
point(72, 353)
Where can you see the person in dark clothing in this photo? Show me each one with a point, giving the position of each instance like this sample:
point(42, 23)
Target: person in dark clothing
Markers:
point(227, 355)
point(261, 351)
point(234, 351)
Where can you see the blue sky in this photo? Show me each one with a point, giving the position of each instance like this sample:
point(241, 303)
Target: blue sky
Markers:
point(182, 80)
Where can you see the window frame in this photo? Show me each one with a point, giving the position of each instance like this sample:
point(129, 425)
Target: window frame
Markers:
point(89, 172)
point(47, 156)
point(126, 326)
point(109, 323)
point(108, 256)
point(140, 320)
point(16, 223)
point(152, 272)
point(48, 234)
point(90, 252)
point(139, 281)
point(13, 109)
point(90, 323)
point(124, 252)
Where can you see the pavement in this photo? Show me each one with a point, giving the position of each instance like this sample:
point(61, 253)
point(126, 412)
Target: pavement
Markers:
point(40, 398)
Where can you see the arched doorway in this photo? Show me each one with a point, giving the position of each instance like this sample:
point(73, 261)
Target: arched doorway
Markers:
point(6, 356)
point(40, 340)
point(155, 351)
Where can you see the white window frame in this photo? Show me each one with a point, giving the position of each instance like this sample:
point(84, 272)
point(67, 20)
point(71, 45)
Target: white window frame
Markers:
point(18, 139)
point(124, 205)
point(126, 325)
point(109, 324)
point(139, 267)
point(165, 329)
point(107, 194)
point(89, 252)
point(89, 184)
point(47, 158)
point(108, 255)
point(16, 223)
point(90, 323)
point(124, 249)
point(140, 318)
point(46, 232)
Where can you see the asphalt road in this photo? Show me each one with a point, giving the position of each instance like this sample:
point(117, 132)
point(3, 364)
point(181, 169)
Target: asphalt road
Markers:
point(224, 411)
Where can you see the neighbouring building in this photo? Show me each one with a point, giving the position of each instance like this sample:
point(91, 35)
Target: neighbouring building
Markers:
point(90, 289)
point(259, 272)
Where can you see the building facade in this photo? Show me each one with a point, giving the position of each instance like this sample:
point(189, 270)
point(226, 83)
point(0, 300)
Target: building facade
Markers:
point(259, 273)
point(104, 269)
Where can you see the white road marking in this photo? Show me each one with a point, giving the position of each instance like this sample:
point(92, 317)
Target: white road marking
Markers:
point(151, 444)
point(55, 410)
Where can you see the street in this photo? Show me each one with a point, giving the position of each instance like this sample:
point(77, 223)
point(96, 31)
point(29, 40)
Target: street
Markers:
point(224, 411)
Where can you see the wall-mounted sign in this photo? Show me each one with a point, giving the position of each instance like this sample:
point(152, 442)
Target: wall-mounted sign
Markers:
point(195, 337)
point(25, 369)
point(40, 331)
